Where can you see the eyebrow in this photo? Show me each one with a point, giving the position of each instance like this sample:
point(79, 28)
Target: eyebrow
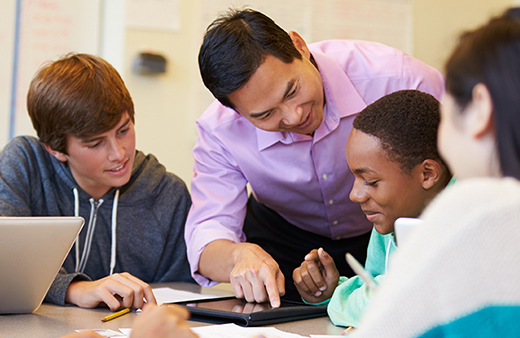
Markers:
point(363, 170)
point(96, 138)
point(290, 85)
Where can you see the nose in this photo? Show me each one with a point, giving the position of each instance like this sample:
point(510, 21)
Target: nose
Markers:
point(292, 116)
point(358, 193)
point(116, 152)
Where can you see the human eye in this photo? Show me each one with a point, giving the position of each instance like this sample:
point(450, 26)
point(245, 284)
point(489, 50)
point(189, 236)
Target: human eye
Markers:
point(94, 145)
point(293, 92)
point(267, 115)
point(371, 183)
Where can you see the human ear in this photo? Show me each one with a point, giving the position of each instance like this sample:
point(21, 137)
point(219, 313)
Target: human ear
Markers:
point(300, 44)
point(431, 173)
point(480, 122)
point(59, 155)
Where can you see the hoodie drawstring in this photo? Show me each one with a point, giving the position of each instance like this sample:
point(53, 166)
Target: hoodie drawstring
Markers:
point(114, 227)
point(81, 263)
point(76, 213)
point(387, 255)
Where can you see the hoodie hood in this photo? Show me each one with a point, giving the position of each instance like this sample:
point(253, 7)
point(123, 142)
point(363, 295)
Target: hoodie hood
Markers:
point(147, 175)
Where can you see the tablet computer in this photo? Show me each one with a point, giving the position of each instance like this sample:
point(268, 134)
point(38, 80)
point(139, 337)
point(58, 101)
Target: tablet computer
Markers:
point(240, 312)
point(404, 226)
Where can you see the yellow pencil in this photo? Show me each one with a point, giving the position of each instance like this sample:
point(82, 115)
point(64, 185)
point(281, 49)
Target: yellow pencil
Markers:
point(347, 330)
point(115, 315)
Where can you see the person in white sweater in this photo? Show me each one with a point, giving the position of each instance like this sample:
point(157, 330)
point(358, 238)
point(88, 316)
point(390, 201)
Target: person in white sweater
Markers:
point(457, 275)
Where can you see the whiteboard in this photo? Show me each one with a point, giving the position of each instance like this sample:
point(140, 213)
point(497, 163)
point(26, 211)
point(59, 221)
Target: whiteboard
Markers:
point(7, 25)
point(46, 30)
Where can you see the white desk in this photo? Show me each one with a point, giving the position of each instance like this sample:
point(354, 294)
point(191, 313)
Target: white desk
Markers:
point(55, 321)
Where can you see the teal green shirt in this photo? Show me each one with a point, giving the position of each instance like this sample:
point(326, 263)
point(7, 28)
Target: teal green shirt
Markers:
point(351, 297)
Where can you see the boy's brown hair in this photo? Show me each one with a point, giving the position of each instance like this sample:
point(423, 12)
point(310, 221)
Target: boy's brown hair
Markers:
point(80, 95)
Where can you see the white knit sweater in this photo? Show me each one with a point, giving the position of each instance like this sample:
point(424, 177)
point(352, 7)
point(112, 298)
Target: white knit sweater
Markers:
point(458, 273)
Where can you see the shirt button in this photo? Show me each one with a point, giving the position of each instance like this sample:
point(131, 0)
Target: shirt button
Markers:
point(331, 202)
point(335, 223)
point(324, 176)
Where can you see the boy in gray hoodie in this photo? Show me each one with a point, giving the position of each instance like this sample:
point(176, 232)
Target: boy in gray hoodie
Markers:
point(85, 164)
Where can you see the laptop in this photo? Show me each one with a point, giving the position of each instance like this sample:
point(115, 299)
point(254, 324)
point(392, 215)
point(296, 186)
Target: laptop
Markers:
point(32, 250)
point(403, 227)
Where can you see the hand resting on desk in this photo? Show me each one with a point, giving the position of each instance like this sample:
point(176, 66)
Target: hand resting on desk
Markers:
point(120, 290)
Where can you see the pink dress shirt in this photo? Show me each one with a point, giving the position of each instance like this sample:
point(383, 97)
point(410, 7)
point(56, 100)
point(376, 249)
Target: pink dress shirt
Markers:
point(305, 179)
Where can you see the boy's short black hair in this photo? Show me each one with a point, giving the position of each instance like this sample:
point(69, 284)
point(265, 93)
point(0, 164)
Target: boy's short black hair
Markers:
point(235, 45)
point(406, 124)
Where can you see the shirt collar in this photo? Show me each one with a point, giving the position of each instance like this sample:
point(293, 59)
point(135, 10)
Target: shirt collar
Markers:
point(342, 98)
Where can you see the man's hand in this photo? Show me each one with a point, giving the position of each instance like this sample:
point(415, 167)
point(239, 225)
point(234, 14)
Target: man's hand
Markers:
point(165, 322)
point(121, 290)
point(256, 275)
point(317, 277)
point(252, 272)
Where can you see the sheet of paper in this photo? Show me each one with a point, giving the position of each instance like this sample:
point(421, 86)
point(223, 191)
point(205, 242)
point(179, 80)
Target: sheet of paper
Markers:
point(169, 295)
point(233, 330)
point(105, 332)
point(126, 331)
point(327, 336)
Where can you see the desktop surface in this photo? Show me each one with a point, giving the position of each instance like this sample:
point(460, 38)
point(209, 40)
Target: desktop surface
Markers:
point(55, 321)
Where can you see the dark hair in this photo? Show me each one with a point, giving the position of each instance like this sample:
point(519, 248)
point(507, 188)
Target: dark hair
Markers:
point(235, 45)
point(80, 95)
point(406, 124)
point(491, 55)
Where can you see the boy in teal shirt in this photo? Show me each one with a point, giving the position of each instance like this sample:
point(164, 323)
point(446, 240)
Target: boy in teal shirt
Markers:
point(392, 151)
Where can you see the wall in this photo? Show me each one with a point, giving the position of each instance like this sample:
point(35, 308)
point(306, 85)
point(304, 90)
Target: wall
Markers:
point(175, 99)
point(167, 106)
point(439, 23)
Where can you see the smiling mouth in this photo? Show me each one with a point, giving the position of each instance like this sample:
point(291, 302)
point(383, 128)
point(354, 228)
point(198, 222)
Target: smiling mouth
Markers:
point(304, 123)
point(371, 215)
point(119, 168)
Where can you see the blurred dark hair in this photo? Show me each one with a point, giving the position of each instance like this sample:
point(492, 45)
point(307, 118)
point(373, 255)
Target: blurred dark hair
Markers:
point(235, 45)
point(491, 55)
point(406, 123)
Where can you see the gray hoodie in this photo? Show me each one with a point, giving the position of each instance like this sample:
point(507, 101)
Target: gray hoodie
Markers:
point(149, 215)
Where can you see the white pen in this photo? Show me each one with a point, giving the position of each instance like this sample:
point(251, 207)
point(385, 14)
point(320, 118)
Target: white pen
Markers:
point(359, 270)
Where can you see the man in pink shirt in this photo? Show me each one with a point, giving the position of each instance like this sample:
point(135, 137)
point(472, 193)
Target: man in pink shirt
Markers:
point(281, 120)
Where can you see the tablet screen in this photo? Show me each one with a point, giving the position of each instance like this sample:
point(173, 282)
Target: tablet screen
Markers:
point(252, 314)
point(235, 305)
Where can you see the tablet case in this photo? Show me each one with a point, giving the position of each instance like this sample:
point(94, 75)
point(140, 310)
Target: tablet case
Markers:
point(287, 312)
